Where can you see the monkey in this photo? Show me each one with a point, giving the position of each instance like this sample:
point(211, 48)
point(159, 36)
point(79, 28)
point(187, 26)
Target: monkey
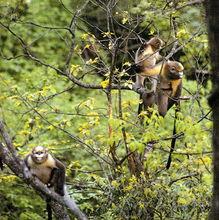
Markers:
point(147, 58)
point(168, 91)
point(48, 170)
point(170, 83)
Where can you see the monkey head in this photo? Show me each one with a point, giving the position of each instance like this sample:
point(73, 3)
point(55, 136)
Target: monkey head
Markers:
point(39, 154)
point(175, 70)
point(156, 43)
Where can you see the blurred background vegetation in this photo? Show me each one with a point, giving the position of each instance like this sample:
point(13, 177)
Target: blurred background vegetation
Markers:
point(42, 107)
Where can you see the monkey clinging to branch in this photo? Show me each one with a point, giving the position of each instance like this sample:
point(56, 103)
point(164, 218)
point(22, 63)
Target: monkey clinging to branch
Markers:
point(47, 169)
point(147, 59)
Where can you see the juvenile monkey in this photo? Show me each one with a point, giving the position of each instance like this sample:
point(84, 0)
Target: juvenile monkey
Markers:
point(146, 59)
point(47, 169)
point(170, 83)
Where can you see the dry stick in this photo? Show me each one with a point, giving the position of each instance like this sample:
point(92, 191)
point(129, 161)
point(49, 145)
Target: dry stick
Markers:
point(72, 27)
point(204, 116)
point(194, 2)
point(183, 177)
point(128, 155)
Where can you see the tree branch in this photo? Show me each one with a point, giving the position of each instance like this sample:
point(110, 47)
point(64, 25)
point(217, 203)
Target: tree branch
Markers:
point(194, 2)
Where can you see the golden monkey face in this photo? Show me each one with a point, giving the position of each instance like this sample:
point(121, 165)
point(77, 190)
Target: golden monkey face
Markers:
point(175, 70)
point(156, 42)
point(39, 154)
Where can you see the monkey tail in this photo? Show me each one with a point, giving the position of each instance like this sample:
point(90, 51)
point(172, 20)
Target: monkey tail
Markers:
point(173, 141)
point(49, 209)
point(1, 163)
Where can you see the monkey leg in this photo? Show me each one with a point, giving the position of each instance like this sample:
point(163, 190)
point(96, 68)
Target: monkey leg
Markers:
point(49, 209)
point(57, 181)
point(153, 83)
point(148, 100)
point(162, 102)
point(138, 86)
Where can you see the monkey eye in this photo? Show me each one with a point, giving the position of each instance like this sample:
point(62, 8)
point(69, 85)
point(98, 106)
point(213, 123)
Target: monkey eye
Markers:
point(172, 69)
point(39, 152)
point(158, 44)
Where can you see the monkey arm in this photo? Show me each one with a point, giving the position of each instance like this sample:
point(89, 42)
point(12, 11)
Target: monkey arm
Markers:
point(57, 178)
point(176, 93)
point(158, 57)
point(176, 87)
point(153, 70)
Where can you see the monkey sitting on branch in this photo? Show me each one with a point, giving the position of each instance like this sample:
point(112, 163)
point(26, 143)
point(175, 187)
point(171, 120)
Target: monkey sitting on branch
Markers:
point(169, 86)
point(146, 85)
point(47, 169)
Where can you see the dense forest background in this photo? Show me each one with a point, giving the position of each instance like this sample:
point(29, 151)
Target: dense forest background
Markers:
point(65, 84)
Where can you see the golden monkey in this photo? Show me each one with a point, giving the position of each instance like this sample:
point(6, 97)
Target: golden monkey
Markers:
point(47, 169)
point(147, 58)
point(170, 83)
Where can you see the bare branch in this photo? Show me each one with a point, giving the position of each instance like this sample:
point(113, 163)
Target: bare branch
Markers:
point(183, 177)
point(194, 2)
point(72, 29)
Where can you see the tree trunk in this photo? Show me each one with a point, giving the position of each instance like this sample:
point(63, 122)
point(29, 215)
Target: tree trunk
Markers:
point(212, 11)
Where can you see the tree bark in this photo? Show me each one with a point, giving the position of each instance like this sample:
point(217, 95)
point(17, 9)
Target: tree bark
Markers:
point(212, 12)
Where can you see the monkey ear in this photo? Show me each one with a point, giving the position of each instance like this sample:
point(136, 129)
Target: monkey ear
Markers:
point(162, 43)
point(168, 62)
point(145, 44)
point(45, 149)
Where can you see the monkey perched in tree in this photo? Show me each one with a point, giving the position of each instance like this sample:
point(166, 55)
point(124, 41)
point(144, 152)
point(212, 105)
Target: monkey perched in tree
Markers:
point(147, 59)
point(47, 169)
point(170, 83)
